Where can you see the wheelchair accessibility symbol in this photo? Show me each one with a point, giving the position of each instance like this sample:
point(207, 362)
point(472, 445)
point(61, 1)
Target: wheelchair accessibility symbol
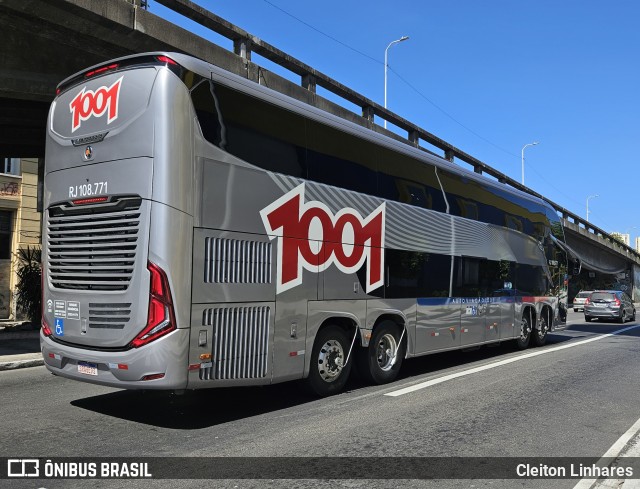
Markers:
point(59, 328)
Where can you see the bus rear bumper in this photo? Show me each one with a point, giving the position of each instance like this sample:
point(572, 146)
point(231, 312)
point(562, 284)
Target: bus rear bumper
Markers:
point(160, 365)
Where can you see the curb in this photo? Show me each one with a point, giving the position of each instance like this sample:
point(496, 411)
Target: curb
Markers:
point(14, 365)
point(21, 360)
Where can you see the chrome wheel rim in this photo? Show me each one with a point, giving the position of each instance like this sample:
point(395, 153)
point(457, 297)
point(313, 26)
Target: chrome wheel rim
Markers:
point(330, 360)
point(524, 330)
point(386, 351)
point(544, 328)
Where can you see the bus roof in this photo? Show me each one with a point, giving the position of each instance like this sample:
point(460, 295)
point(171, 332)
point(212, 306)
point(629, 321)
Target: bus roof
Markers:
point(208, 70)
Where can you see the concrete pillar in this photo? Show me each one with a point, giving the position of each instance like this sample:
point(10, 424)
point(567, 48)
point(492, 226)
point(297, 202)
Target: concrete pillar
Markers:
point(309, 82)
point(414, 138)
point(368, 113)
point(477, 169)
point(242, 47)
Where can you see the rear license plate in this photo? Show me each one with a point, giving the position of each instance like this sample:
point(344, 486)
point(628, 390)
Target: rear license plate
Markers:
point(87, 368)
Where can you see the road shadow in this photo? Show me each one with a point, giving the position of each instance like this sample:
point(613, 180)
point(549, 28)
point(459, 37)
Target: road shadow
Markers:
point(604, 327)
point(197, 409)
point(12, 346)
point(210, 407)
point(436, 362)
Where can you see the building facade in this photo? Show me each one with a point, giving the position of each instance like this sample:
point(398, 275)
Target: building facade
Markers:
point(20, 224)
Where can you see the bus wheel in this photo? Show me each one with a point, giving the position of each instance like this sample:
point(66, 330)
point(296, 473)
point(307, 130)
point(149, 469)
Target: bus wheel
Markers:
point(539, 335)
point(328, 373)
point(381, 361)
point(522, 342)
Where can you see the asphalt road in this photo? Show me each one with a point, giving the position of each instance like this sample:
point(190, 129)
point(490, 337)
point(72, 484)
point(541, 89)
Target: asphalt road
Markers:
point(574, 401)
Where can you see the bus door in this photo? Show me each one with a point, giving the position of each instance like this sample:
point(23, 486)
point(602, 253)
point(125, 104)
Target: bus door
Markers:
point(468, 291)
point(498, 294)
point(473, 316)
point(437, 324)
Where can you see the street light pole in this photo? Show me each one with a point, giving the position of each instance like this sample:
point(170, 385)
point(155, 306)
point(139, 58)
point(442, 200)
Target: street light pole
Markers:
point(590, 197)
point(386, 64)
point(529, 144)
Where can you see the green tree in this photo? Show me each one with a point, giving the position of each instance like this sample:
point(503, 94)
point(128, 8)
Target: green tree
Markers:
point(618, 237)
point(29, 288)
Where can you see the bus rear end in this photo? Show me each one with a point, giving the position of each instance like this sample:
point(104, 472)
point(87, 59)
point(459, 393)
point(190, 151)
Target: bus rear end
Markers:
point(113, 169)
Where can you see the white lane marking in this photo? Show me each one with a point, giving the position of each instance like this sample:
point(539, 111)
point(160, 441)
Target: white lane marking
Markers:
point(475, 370)
point(613, 452)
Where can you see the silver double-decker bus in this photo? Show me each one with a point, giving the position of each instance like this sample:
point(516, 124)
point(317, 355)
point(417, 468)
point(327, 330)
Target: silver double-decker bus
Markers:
point(202, 230)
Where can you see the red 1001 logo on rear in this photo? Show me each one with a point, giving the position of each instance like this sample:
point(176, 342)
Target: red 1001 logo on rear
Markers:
point(311, 237)
point(94, 104)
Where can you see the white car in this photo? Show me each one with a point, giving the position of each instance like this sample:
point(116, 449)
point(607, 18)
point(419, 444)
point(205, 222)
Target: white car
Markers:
point(580, 299)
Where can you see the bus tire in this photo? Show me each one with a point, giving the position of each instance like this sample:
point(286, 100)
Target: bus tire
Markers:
point(522, 342)
point(376, 364)
point(539, 335)
point(328, 374)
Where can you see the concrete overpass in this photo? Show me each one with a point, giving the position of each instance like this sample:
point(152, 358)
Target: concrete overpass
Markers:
point(47, 40)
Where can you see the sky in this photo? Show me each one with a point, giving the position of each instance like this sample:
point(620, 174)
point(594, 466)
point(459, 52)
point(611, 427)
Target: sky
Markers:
point(487, 77)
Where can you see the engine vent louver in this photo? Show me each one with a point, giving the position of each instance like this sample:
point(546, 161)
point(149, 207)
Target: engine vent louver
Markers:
point(240, 342)
point(93, 247)
point(109, 316)
point(232, 261)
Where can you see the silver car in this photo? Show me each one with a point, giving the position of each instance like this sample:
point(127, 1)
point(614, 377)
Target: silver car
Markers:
point(580, 299)
point(609, 304)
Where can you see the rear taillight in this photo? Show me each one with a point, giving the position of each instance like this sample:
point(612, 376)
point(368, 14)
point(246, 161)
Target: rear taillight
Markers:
point(102, 69)
point(161, 318)
point(587, 301)
point(617, 301)
point(46, 330)
point(92, 200)
point(166, 59)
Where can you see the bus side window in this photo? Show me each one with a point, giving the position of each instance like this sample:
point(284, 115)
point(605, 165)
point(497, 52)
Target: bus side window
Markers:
point(531, 279)
point(260, 133)
point(413, 274)
point(204, 103)
point(466, 277)
point(340, 159)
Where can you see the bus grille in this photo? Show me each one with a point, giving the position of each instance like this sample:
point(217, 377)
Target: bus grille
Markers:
point(93, 247)
point(231, 261)
point(109, 316)
point(240, 342)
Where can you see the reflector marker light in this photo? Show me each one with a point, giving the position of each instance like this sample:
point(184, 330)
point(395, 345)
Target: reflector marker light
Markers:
point(205, 356)
point(153, 377)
